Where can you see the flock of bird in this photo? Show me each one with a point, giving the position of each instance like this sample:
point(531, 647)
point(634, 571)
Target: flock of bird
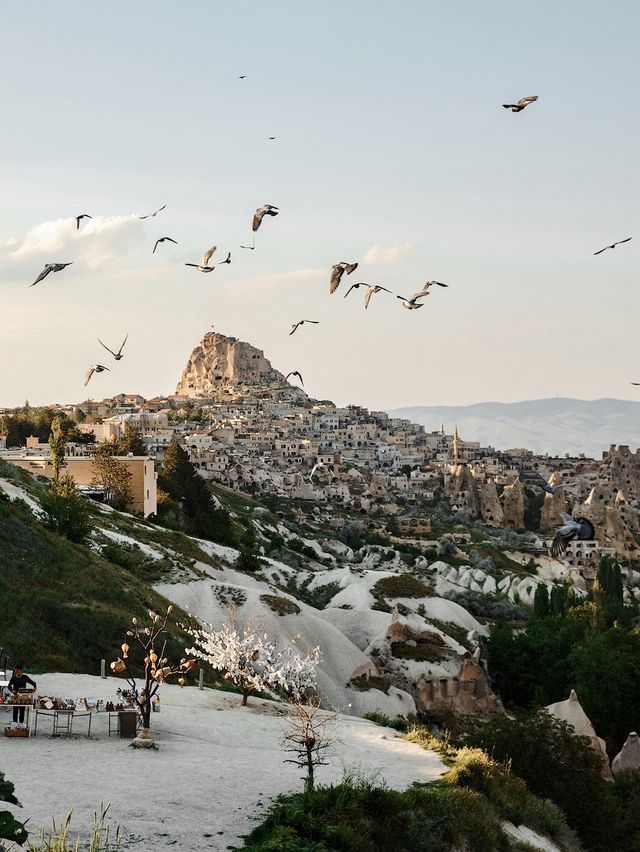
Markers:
point(571, 528)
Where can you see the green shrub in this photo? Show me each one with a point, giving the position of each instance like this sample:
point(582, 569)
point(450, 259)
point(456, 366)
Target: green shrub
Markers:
point(280, 605)
point(397, 722)
point(401, 586)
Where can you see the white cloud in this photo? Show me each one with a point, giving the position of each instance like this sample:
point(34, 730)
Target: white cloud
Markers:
point(98, 241)
point(392, 254)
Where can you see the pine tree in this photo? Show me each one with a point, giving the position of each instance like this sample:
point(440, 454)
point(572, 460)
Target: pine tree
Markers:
point(57, 442)
point(541, 607)
point(132, 442)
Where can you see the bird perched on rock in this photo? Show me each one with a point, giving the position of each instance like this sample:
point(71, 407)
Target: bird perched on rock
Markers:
point(96, 368)
point(337, 271)
point(294, 373)
point(521, 104)
point(117, 355)
point(50, 267)
point(163, 240)
point(155, 213)
point(612, 246)
point(297, 325)
point(372, 289)
point(81, 216)
point(571, 528)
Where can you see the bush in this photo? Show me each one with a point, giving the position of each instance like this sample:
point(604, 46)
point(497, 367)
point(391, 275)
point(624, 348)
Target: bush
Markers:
point(66, 511)
point(401, 586)
point(280, 605)
point(397, 723)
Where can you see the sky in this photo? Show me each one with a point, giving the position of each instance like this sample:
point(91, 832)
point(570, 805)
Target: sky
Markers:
point(392, 149)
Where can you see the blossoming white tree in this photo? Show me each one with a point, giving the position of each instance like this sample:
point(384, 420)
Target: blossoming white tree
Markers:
point(251, 661)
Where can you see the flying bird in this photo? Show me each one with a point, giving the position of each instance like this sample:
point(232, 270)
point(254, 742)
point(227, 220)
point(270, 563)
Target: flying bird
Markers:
point(637, 384)
point(571, 528)
point(297, 325)
point(613, 245)
point(541, 482)
point(242, 76)
point(271, 138)
point(203, 266)
point(96, 368)
point(425, 290)
point(521, 104)
point(372, 289)
point(155, 213)
point(261, 212)
point(410, 304)
point(337, 271)
point(294, 373)
point(163, 240)
point(50, 267)
point(81, 216)
point(117, 355)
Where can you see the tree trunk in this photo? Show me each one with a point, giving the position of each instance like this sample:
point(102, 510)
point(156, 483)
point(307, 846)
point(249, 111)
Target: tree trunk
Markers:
point(309, 781)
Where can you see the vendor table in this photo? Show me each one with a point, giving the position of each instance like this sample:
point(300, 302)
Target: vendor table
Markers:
point(63, 720)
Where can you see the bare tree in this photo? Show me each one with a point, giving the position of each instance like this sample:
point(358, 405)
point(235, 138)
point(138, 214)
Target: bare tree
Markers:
point(156, 669)
point(307, 736)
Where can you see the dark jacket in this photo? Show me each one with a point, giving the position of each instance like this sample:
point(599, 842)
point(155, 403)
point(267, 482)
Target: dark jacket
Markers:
point(18, 683)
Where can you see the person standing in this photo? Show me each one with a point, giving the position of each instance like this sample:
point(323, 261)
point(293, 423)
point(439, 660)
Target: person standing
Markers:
point(19, 680)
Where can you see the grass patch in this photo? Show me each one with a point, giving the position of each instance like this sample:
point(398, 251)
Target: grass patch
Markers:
point(280, 605)
point(396, 722)
point(62, 606)
point(424, 651)
point(459, 634)
point(401, 586)
point(363, 683)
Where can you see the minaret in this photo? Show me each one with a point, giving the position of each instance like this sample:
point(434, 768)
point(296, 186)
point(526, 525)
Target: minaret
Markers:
point(455, 444)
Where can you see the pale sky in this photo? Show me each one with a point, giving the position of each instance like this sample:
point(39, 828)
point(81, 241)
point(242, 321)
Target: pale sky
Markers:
point(393, 149)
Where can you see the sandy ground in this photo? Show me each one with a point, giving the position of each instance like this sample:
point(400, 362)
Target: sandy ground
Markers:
point(217, 767)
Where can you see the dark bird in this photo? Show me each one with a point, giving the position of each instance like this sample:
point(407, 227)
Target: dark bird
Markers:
point(294, 373)
point(117, 355)
point(571, 528)
point(242, 76)
point(155, 213)
point(261, 212)
point(50, 267)
point(637, 384)
point(226, 260)
point(164, 240)
point(612, 246)
point(521, 104)
point(81, 216)
point(271, 138)
point(297, 325)
point(96, 368)
point(337, 271)
point(203, 266)
point(372, 289)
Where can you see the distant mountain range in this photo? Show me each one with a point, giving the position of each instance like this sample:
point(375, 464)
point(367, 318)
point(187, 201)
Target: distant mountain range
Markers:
point(555, 426)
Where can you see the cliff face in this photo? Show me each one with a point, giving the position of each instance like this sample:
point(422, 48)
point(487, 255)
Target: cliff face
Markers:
point(221, 363)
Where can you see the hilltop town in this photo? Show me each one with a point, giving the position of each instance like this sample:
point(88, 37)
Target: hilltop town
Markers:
point(248, 430)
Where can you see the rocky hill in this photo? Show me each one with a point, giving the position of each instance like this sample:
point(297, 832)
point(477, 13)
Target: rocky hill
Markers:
point(555, 426)
point(225, 364)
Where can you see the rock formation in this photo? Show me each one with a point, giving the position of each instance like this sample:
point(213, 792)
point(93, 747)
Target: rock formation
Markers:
point(225, 364)
point(468, 694)
point(628, 759)
point(462, 491)
point(490, 507)
point(553, 505)
point(571, 711)
point(514, 502)
point(603, 508)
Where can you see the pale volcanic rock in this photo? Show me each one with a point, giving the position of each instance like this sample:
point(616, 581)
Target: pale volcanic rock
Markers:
point(490, 506)
point(628, 758)
point(554, 504)
point(514, 502)
point(222, 363)
point(571, 711)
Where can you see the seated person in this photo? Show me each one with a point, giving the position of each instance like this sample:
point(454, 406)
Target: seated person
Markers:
point(19, 680)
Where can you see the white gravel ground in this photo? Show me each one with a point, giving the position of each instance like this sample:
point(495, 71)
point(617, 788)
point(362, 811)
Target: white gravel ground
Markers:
point(217, 767)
